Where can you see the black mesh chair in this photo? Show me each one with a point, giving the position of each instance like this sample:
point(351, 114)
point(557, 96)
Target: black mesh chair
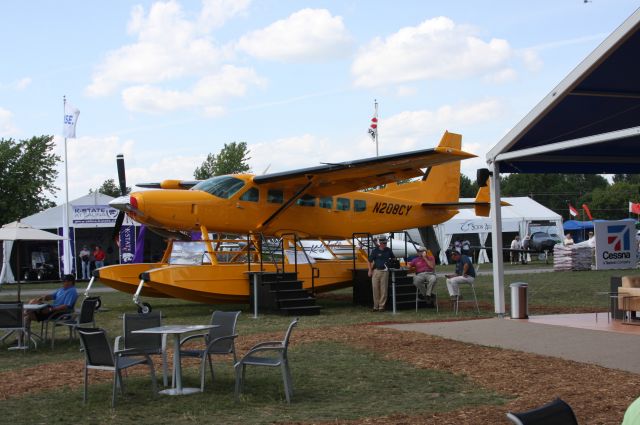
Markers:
point(139, 343)
point(556, 412)
point(12, 320)
point(271, 354)
point(220, 340)
point(73, 321)
point(99, 355)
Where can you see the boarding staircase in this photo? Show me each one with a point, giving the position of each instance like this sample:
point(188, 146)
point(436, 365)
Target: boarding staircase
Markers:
point(282, 293)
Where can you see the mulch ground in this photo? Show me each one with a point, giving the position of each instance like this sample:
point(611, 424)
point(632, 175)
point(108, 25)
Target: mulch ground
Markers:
point(597, 395)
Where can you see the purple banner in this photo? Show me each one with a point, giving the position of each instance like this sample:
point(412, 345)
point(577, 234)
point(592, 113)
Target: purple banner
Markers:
point(139, 254)
point(127, 244)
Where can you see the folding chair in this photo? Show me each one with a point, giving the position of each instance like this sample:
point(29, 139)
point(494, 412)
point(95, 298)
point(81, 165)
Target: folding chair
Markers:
point(100, 356)
point(434, 299)
point(220, 340)
point(456, 302)
point(256, 357)
point(74, 321)
point(556, 412)
point(139, 343)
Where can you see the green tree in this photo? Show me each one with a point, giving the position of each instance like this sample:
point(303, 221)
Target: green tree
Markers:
point(612, 203)
point(629, 178)
point(468, 188)
point(27, 177)
point(554, 190)
point(110, 188)
point(231, 159)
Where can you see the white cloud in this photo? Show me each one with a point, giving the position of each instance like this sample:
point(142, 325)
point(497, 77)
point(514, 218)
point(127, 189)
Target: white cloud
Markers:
point(501, 76)
point(531, 59)
point(210, 90)
point(307, 35)
point(92, 160)
point(438, 48)
point(168, 47)
point(17, 85)
point(7, 127)
point(216, 12)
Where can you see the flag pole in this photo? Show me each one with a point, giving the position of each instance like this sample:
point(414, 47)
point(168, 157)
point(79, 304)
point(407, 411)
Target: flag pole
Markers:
point(65, 211)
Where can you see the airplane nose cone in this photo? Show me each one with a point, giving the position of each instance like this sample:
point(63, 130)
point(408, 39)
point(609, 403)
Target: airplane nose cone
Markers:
point(120, 203)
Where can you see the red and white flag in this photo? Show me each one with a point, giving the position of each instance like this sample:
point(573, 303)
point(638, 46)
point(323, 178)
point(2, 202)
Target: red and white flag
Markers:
point(634, 208)
point(586, 211)
point(373, 128)
point(573, 211)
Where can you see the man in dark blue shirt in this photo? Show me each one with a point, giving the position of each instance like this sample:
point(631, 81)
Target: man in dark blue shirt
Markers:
point(379, 273)
point(465, 273)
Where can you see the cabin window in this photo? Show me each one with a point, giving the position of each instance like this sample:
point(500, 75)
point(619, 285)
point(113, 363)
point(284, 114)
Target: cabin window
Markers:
point(343, 204)
point(359, 205)
point(275, 196)
point(306, 201)
point(221, 186)
point(326, 203)
point(251, 195)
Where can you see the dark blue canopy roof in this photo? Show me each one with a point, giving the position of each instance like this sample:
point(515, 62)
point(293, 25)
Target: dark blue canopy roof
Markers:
point(600, 96)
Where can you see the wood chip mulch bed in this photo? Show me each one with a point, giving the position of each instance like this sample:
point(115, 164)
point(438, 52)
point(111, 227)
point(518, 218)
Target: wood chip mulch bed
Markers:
point(597, 395)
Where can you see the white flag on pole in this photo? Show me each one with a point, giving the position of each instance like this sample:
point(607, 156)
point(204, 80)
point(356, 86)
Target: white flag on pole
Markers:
point(71, 114)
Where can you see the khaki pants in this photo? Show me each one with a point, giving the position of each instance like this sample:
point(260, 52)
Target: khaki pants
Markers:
point(425, 282)
point(379, 283)
point(454, 282)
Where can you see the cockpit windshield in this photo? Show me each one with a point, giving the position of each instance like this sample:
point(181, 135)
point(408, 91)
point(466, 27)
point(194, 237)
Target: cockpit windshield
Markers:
point(221, 186)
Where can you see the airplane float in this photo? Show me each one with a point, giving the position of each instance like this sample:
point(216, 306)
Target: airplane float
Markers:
point(326, 202)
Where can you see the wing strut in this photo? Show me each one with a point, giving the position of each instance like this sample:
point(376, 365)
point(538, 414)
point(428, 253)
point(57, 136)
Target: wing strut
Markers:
point(286, 204)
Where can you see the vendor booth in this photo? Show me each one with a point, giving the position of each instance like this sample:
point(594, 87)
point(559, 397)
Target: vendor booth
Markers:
point(91, 222)
point(522, 216)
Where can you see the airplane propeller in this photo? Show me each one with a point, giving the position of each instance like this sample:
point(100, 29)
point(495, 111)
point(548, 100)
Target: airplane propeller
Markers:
point(123, 191)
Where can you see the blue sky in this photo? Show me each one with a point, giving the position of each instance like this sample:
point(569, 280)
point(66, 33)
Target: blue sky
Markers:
point(168, 82)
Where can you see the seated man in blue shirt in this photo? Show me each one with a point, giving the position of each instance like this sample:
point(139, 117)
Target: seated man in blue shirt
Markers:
point(64, 299)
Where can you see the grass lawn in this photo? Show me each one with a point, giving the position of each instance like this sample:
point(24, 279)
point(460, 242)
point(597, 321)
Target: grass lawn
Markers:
point(333, 381)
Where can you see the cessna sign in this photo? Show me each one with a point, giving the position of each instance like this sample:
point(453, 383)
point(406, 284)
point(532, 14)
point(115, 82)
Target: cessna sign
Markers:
point(616, 245)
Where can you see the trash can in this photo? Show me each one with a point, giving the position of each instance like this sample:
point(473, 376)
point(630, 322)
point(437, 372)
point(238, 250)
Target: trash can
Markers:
point(519, 303)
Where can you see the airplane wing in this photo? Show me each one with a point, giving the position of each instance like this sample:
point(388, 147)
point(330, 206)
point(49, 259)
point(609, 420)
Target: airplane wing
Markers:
point(342, 177)
point(170, 184)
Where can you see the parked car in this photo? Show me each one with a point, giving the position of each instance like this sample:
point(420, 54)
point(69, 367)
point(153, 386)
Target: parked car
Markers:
point(543, 241)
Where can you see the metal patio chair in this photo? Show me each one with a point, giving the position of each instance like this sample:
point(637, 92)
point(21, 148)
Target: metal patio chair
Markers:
point(73, 321)
point(557, 412)
point(272, 354)
point(139, 343)
point(12, 320)
point(100, 356)
point(220, 340)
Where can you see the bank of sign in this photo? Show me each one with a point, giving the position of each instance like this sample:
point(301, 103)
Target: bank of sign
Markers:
point(85, 214)
point(615, 245)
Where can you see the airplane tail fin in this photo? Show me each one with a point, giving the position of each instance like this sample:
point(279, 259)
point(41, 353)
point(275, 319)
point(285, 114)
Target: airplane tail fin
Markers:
point(440, 184)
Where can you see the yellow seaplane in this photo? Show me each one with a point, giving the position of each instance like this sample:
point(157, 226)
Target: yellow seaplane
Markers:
point(326, 202)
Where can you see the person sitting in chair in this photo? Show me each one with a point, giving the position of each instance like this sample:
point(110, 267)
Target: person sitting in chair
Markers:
point(425, 267)
point(465, 273)
point(64, 299)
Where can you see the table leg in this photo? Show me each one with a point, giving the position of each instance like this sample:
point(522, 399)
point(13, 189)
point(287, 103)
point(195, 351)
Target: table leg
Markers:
point(177, 367)
point(177, 372)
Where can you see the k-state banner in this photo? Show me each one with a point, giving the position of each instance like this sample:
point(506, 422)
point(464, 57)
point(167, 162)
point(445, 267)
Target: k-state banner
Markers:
point(616, 246)
point(127, 244)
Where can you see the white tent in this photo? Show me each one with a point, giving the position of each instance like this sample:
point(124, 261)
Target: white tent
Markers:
point(522, 212)
point(89, 211)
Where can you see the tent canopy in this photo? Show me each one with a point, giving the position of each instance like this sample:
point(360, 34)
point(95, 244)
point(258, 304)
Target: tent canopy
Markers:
point(593, 115)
